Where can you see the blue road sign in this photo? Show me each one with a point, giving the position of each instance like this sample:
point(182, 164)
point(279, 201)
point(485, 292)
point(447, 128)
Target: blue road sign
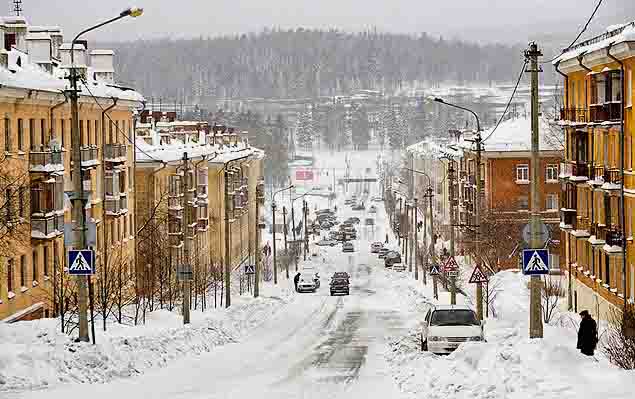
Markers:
point(435, 270)
point(535, 261)
point(81, 262)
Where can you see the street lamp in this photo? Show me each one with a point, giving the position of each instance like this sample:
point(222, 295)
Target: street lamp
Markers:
point(273, 211)
point(78, 198)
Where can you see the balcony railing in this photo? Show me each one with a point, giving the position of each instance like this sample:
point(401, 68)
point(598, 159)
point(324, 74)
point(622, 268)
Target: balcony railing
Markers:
point(614, 237)
point(567, 219)
point(90, 156)
point(582, 223)
point(115, 152)
point(46, 227)
point(580, 169)
point(605, 112)
point(113, 206)
point(579, 115)
point(46, 161)
point(612, 176)
point(123, 204)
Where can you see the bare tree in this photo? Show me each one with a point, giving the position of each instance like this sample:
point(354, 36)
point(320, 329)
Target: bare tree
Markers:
point(551, 292)
point(500, 232)
point(619, 343)
point(15, 231)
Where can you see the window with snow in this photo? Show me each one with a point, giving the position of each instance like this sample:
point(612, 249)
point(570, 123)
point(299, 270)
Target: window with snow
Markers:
point(522, 173)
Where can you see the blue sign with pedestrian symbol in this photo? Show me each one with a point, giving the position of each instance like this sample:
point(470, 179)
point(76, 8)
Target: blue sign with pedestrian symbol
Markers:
point(535, 262)
point(81, 262)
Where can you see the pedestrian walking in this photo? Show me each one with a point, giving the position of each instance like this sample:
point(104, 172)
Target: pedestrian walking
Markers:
point(587, 334)
point(296, 280)
point(386, 238)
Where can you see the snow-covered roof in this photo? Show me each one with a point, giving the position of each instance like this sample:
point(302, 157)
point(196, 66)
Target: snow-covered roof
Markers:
point(515, 135)
point(102, 52)
point(615, 34)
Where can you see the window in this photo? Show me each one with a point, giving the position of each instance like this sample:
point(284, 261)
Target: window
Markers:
point(96, 134)
point(523, 203)
point(43, 133)
point(7, 134)
point(110, 126)
point(46, 260)
point(616, 86)
point(629, 87)
point(63, 130)
point(9, 275)
point(632, 282)
point(35, 268)
point(21, 201)
point(552, 173)
point(573, 94)
point(22, 271)
point(81, 132)
point(600, 87)
point(20, 134)
point(551, 202)
point(522, 173)
point(8, 211)
point(32, 133)
point(89, 133)
point(10, 40)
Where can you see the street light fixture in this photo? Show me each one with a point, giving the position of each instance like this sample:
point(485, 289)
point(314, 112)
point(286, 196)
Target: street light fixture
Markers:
point(273, 211)
point(78, 198)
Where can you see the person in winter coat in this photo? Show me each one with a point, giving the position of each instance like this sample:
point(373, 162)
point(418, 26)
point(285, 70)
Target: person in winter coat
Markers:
point(296, 280)
point(587, 334)
point(386, 238)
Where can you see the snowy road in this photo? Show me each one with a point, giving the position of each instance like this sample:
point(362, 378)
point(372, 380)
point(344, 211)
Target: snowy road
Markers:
point(317, 347)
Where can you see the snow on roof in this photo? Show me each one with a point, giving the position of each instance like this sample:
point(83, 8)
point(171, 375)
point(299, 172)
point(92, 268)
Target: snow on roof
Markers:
point(102, 52)
point(38, 36)
point(620, 34)
point(515, 135)
point(13, 19)
point(77, 47)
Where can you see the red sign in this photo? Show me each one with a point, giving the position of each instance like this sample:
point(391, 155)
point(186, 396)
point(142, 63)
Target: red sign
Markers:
point(304, 175)
point(451, 265)
point(478, 276)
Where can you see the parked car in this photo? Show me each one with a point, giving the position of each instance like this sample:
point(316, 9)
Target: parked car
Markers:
point(372, 209)
point(348, 247)
point(446, 327)
point(359, 207)
point(340, 285)
point(325, 242)
point(353, 220)
point(369, 222)
point(349, 202)
point(391, 258)
point(308, 281)
point(383, 252)
point(376, 246)
point(399, 267)
point(341, 275)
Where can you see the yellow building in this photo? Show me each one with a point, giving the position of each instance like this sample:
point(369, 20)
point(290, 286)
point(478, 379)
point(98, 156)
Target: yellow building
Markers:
point(598, 122)
point(223, 173)
point(35, 165)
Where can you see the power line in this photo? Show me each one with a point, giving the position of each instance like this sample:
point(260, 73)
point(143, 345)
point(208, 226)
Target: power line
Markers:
point(133, 142)
point(597, 6)
point(511, 98)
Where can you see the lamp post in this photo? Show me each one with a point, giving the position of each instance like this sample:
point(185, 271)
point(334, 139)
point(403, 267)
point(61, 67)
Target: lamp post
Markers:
point(477, 205)
point(78, 198)
point(273, 211)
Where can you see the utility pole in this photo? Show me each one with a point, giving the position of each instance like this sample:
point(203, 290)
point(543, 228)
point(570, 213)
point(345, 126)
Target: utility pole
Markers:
point(412, 230)
point(451, 195)
point(425, 244)
point(406, 231)
point(305, 207)
point(416, 243)
point(535, 317)
point(187, 243)
point(284, 229)
point(433, 242)
point(399, 227)
point(227, 238)
point(295, 244)
point(275, 264)
point(477, 209)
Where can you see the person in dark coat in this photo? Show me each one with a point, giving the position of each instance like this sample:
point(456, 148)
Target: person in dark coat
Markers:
point(386, 238)
point(587, 334)
point(296, 280)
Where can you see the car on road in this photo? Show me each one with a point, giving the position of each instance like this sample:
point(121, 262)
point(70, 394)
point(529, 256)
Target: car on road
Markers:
point(369, 222)
point(359, 207)
point(325, 242)
point(376, 199)
point(353, 220)
point(309, 281)
point(391, 258)
point(349, 202)
point(341, 275)
point(348, 247)
point(340, 285)
point(446, 327)
point(382, 252)
point(372, 209)
point(376, 246)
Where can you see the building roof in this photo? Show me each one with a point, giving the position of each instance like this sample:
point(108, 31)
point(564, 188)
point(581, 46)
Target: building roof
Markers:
point(614, 34)
point(515, 135)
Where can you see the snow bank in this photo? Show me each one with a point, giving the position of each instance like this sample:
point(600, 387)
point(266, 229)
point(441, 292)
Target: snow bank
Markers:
point(35, 355)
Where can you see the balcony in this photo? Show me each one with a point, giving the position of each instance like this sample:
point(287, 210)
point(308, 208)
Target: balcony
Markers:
point(202, 224)
point(115, 153)
point(580, 171)
point(47, 226)
point(574, 115)
point(113, 206)
point(607, 112)
point(201, 191)
point(123, 204)
point(567, 218)
point(612, 179)
point(46, 161)
point(90, 156)
point(598, 234)
point(566, 170)
point(614, 237)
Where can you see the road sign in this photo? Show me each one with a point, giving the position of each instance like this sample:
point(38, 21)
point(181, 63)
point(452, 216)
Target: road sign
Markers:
point(81, 262)
point(434, 270)
point(535, 261)
point(450, 265)
point(184, 273)
point(543, 233)
point(478, 276)
point(452, 273)
point(250, 269)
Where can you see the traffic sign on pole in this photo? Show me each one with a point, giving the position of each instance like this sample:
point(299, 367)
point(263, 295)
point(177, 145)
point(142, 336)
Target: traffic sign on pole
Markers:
point(434, 270)
point(184, 273)
point(81, 262)
point(535, 261)
point(250, 269)
point(450, 265)
point(478, 276)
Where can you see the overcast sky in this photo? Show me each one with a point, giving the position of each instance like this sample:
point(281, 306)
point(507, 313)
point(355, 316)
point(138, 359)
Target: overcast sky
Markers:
point(478, 20)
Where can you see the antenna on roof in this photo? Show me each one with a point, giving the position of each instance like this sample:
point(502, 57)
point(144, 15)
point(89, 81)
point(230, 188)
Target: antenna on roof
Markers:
point(17, 7)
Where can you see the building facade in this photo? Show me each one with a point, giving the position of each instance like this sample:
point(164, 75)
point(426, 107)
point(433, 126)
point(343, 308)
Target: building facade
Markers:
point(598, 182)
point(36, 164)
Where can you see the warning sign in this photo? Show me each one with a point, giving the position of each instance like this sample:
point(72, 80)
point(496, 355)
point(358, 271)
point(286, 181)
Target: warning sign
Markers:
point(478, 276)
point(451, 265)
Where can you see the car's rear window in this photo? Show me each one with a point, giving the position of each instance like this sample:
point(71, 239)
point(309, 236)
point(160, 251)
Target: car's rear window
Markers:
point(459, 317)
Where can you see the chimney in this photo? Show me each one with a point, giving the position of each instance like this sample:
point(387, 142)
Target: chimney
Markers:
point(56, 36)
point(38, 45)
point(15, 30)
point(102, 64)
point(80, 57)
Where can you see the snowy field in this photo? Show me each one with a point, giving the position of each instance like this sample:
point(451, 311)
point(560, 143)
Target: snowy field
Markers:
point(287, 345)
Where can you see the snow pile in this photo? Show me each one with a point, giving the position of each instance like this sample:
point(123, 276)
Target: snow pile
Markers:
point(509, 364)
point(36, 355)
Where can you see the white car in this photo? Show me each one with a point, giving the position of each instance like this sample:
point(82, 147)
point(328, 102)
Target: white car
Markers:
point(307, 282)
point(448, 326)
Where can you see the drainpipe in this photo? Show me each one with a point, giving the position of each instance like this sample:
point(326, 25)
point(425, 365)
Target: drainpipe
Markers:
point(622, 150)
point(53, 108)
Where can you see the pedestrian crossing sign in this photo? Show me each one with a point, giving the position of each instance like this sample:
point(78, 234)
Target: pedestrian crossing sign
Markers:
point(250, 269)
point(535, 261)
point(434, 270)
point(81, 262)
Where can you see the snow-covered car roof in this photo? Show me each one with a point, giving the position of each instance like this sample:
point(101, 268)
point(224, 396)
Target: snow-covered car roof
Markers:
point(452, 307)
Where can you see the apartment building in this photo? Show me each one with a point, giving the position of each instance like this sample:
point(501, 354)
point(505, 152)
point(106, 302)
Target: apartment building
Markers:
point(598, 182)
point(36, 163)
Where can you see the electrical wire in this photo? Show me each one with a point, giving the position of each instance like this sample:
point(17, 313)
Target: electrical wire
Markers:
point(115, 124)
point(511, 98)
point(579, 34)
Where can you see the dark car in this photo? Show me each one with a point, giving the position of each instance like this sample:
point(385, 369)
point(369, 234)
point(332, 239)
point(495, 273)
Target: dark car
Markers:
point(341, 275)
point(391, 258)
point(340, 285)
point(359, 207)
point(382, 252)
point(353, 220)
